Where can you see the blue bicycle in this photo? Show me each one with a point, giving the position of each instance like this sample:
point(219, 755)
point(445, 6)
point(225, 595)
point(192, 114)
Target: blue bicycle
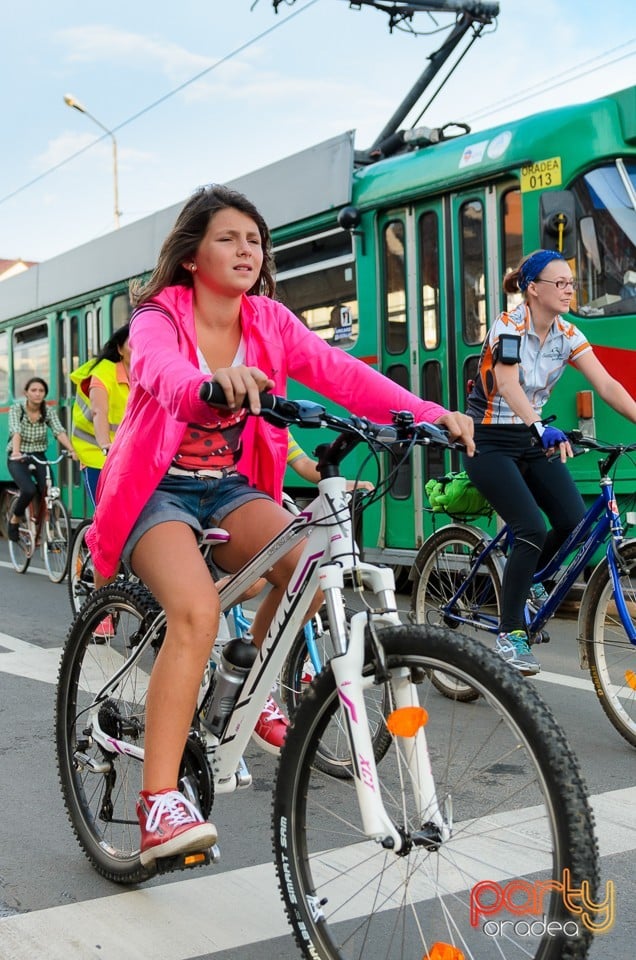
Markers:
point(458, 576)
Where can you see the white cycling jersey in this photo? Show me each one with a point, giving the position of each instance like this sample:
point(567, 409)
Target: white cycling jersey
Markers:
point(539, 366)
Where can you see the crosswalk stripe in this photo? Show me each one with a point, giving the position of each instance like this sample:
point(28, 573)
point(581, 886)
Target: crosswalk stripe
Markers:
point(206, 915)
point(38, 663)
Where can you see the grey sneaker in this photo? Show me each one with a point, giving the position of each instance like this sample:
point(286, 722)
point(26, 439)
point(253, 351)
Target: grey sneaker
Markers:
point(538, 596)
point(513, 648)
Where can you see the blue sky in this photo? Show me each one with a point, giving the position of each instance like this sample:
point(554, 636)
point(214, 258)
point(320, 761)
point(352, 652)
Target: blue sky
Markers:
point(322, 68)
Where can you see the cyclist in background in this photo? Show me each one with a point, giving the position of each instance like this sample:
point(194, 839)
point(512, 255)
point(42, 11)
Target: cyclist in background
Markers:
point(307, 468)
point(100, 402)
point(206, 314)
point(29, 421)
point(523, 356)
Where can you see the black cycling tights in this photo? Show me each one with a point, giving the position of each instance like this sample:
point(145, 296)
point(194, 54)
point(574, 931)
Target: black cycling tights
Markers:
point(520, 482)
point(28, 481)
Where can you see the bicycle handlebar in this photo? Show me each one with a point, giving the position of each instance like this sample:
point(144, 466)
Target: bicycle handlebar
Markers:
point(282, 412)
point(50, 463)
point(581, 443)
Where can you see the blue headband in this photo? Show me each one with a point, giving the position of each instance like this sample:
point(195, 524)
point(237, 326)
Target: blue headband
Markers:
point(534, 265)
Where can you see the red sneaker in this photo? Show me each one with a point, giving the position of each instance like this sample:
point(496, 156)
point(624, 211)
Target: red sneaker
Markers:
point(271, 728)
point(104, 630)
point(171, 825)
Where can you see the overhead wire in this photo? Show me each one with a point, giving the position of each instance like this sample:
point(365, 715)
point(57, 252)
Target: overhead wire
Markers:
point(160, 100)
point(551, 83)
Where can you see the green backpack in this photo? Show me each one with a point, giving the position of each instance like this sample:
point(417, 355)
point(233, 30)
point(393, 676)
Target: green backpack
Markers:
point(455, 495)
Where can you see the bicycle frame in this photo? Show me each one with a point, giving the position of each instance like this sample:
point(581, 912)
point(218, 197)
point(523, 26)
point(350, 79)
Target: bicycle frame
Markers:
point(602, 520)
point(329, 554)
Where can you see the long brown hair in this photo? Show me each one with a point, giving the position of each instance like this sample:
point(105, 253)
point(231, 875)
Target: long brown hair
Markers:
point(184, 239)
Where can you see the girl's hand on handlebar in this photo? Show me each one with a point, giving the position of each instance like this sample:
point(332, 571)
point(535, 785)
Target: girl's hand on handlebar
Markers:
point(460, 427)
point(240, 382)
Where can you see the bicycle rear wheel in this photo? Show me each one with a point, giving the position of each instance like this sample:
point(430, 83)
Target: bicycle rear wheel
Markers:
point(55, 539)
point(81, 573)
point(100, 788)
point(513, 798)
point(20, 551)
point(444, 564)
point(333, 755)
point(611, 656)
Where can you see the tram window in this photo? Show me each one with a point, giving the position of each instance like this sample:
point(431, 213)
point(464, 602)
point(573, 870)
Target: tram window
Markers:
point(316, 280)
point(403, 481)
point(432, 390)
point(606, 243)
point(429, 279)
point(471, 367)
point(395, 332)
point(30, 355)
point(92, 334)
point(75, 341)
point(471, 224)
point(120, 310)
point(511, 245)
point(4, 367)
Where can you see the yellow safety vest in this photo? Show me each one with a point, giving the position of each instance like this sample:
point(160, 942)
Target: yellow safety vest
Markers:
point(82, 430)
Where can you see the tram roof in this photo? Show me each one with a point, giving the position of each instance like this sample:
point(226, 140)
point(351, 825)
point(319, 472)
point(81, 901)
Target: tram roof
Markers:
point(312, 181)
point(488, 154)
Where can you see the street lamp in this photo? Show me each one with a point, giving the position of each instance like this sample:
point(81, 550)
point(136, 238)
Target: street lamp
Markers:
point(70, 101)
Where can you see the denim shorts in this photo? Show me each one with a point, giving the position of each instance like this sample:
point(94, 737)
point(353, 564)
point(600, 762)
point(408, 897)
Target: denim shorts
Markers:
point(201, 502)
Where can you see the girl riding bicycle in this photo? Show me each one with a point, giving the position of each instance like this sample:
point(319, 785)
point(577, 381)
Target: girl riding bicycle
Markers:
point(206, 313)
point(29, 421)
point(523, 357)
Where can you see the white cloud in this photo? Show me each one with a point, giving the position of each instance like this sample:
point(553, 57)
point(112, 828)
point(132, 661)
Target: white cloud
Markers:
point(102, 43)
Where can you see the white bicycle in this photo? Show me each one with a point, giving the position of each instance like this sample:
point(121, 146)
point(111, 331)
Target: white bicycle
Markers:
point(49, 528)
point(384, 862)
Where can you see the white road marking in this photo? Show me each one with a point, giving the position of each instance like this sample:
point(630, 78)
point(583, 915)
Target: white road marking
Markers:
point(32, 568)
point(177, 921)
point(195, 917)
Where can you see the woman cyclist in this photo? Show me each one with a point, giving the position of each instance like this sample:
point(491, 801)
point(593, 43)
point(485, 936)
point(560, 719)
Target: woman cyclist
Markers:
point(523, 356)
point(207, 314)
point(29, 422)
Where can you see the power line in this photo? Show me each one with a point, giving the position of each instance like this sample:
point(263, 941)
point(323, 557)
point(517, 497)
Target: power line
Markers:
point(161, 100)
point(528, 92)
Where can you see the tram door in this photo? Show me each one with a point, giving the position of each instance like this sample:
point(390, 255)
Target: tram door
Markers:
point(442, 264)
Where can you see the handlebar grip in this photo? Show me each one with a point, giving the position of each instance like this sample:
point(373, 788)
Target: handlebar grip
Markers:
point(212, 392)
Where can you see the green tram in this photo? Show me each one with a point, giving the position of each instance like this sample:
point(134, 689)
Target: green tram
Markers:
point(398, 261)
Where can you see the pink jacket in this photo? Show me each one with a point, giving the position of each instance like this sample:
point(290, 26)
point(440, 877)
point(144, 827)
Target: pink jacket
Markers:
point(164, 397)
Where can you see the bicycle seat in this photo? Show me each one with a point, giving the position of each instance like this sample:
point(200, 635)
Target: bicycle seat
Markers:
point(215, 535)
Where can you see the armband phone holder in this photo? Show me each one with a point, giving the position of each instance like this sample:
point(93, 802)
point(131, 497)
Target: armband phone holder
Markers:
point(509, 349)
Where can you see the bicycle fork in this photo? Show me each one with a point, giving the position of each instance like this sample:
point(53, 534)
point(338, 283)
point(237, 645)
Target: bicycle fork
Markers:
point(433, 826)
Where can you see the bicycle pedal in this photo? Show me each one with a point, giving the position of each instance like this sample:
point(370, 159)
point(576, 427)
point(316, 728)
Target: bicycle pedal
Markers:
point(541, 637)
point(187, 861)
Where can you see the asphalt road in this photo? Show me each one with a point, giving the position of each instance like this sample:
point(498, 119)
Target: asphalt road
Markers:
point(50, 897)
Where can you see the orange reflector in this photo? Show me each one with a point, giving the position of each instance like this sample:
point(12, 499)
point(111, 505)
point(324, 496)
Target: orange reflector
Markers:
point(585, 404)
point(406, 721)
point(444, 951)
point(192, 859)
point(630, 678)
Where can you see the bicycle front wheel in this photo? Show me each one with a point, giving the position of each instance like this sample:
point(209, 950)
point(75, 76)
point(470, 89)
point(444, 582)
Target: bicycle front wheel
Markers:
point(449, 591)
point(513, 801)
point(20, 550)
point(333, 755)
point(81, 573)
point(56, 537)
point(611, 656)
